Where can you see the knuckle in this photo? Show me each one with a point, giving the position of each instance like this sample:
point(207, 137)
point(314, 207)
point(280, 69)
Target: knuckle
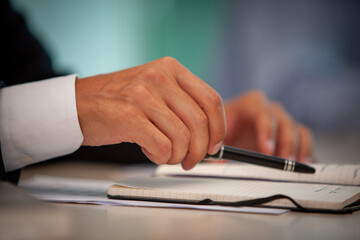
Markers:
point(258, 94)
point(183, 135)
point(200, 118)
point(140, 89)
point(277, 105)
point(155, 75)
point(169, 60)
point(138, 93)
point(163, 151)
point(257, 98)
point(150, 73)
point(214, 98)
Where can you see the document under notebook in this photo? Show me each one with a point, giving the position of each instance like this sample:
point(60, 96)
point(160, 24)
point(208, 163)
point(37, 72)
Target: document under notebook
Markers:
point(333, 188)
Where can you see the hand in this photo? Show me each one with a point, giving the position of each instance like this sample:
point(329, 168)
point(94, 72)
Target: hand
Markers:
point(256, 124)
point(173, 115)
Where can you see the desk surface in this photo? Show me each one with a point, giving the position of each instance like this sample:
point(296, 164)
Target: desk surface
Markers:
point(23, 217)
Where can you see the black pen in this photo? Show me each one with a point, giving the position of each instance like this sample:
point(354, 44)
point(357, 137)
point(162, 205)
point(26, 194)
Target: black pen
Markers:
point(245, 156)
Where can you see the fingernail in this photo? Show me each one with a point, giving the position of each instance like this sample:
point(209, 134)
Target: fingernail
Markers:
point(271, 145)
point(308, 160)
point(292, 157)
point(215, 149)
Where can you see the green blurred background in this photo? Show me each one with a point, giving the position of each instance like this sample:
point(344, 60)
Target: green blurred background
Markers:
point(96, 36)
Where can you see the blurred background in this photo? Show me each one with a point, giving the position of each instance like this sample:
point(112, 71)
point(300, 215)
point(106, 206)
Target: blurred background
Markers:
point(305, 54)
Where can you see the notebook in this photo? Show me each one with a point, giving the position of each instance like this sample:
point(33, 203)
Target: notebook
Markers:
point(344, 174)
point(333, 188)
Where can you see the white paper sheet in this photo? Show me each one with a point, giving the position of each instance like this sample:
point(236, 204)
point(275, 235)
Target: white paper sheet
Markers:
point(90, 191)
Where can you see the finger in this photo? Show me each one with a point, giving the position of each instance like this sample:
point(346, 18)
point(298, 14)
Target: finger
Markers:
point(211, 103)
point(305, 145)
point(196, 121)
point(155, 109)
point(186, 109)
point(266, 127)
point(285, 146)
point(155, 145)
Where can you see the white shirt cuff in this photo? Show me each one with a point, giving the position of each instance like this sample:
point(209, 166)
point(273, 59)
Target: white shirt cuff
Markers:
point(38, 121)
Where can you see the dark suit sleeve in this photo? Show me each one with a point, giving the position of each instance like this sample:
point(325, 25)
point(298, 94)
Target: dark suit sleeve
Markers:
point(23, 60)
point(11, 176)
point(2, 169)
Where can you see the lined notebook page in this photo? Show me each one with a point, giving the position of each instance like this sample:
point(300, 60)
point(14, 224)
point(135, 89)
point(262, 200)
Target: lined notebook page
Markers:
point(346, 174)
point(228, 190)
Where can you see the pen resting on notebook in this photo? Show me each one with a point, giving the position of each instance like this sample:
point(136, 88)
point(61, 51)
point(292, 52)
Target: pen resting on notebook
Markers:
point(245, 156)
